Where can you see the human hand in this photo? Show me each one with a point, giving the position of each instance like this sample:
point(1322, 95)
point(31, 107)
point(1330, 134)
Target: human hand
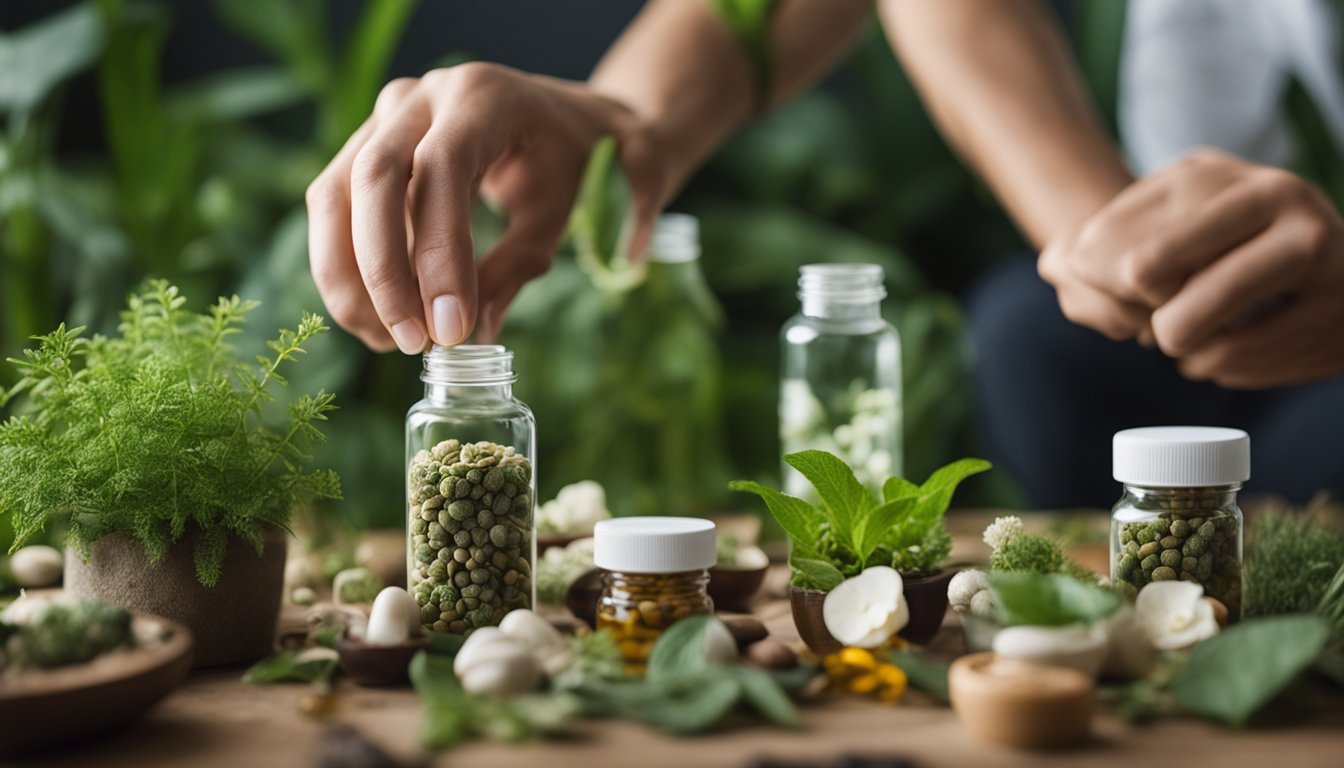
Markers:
point(1233, 269)
point(389, 218)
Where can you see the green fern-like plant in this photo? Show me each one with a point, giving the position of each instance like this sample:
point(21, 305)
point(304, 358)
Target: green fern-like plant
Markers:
point(165, 427)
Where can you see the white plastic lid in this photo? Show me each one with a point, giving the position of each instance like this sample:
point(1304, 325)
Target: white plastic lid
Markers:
point(1181, 457)
point(654, 544)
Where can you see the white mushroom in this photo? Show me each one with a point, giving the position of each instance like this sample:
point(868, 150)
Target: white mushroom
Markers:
point(393, 618)
point(720, 647)
point(492, 663)
point(545, 642)
point(1174, 615)
point(866, 610)
point(36, 566)
point(964, 587)
point(1076, 647)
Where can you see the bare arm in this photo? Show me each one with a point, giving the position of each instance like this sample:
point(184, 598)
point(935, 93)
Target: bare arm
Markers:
point(680, 69)
point(1001, 84)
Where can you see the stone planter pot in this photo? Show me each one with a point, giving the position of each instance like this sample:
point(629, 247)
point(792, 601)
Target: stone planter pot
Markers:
point(925, 595)
point(233, 622)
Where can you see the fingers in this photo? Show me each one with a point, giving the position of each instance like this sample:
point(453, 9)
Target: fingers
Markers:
point(1231, 287)
point(1085, 305)
point(443, 179)
point(378, 181)
point(1284, 348)
point(331, 252)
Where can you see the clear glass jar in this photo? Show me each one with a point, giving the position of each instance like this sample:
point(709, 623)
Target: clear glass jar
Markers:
point(1178, 517)
point(840, 385)
point(655, 573)
point(471, 542)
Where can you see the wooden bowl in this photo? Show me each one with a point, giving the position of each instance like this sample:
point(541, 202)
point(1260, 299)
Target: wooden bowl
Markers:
point(582, 597)
point(83, 702)
point(378, 665)
point(1020, 704)
point(926, 597)
point(732, 589)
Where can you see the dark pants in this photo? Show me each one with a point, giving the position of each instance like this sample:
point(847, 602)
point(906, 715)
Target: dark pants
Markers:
point(1049, 395)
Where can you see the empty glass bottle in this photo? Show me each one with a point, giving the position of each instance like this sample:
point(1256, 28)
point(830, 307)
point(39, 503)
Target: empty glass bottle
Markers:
point(840, 387)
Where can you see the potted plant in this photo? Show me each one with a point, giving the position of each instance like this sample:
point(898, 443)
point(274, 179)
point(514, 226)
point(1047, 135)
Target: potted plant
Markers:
point(162, 454)
point(851, 530)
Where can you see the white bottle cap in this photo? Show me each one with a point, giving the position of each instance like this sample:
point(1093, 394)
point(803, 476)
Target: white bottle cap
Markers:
point(1181, 457)
point(654, 544)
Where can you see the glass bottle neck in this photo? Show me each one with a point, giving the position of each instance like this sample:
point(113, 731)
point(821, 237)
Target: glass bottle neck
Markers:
point(1212, 496)
point(436, 392)
point(825, 308)
point(841, 291)
point(470, 373)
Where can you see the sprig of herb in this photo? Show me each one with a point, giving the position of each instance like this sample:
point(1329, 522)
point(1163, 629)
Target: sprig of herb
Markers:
point(162, 428)
point(852, 530)
point(1292, 556)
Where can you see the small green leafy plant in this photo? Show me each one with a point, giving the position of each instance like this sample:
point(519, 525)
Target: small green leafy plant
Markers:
point(1012, 550)
point(851, 529)
point(164, 428)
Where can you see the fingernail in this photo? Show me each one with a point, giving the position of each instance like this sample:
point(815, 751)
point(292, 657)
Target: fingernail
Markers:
point(447, 311)
point(410, 339)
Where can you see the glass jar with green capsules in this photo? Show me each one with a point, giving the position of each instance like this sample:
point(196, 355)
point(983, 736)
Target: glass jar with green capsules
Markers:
point(1178, 517)
point(471, 541)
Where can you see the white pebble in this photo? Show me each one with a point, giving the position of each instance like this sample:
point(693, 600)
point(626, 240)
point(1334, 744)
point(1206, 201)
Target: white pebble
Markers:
point(393, 618)
point(36, 566)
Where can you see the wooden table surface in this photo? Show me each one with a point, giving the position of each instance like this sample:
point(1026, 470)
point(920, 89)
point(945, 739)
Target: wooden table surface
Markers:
point(216, 720)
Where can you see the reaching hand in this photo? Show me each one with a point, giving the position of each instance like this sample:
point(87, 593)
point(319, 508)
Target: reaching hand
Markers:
point(1233, 269)
point(389, 218)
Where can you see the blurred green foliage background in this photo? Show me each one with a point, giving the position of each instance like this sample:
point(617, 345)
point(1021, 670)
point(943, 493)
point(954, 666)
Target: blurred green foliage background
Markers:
point(201, 180)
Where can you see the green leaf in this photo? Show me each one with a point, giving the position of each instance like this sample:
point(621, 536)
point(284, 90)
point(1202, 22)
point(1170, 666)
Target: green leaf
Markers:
point(750, 22)
point(285, 668)
point(799, 519)
point(815, 574)
point(897, 488)
point(925, 674)
point(763, 693)
point(877, 525)
point(845, 498)
point(681, 650)
point(1233, 674)
point(364, 66)
point(1050, 600)
point(694, 706)
point(601, 223)
point(42, 55)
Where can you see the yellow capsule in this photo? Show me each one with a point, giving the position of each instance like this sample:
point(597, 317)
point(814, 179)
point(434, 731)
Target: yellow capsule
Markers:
point(864, 684)
point(891, 675)
point(857, 657)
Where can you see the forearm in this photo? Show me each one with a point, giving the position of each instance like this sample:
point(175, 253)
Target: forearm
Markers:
point(692, 82)
point(999, 80)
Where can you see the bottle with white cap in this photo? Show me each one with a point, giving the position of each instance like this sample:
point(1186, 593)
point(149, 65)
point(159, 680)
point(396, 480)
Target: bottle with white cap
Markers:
point(655, 572)
point(1178, 517)
point(840, 381)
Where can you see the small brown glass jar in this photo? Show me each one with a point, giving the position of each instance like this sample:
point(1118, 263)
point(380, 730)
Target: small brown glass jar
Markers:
point(656, 573)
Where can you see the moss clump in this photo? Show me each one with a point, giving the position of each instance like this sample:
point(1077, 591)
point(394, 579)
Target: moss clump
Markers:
point(1293, 556)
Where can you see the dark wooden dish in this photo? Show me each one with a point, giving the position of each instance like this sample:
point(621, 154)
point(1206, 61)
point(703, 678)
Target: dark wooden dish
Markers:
point(83, 702)
point(378, 665)
point(926, 596)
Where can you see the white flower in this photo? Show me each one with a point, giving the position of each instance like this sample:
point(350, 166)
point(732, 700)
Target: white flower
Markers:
point(1001, 530)
point(575, 510)
point(1174, 614)
point(866, 610)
